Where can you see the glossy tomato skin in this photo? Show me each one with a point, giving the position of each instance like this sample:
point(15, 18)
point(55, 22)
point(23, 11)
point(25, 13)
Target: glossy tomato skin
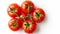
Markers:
point(27, 7)
point(14, 10)
point(29, 26)
point(38, 15)
point(14, 24)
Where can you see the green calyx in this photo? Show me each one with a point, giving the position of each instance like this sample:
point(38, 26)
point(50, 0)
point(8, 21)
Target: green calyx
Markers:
point(14, 24)
point(37, 15)
point(27, 25)
point(12, 9)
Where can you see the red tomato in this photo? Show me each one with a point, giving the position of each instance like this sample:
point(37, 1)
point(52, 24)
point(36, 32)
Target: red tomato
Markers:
point(29, 26)
point(14, 10)
point(38, 15)
point(14, 24)
point(27, 7)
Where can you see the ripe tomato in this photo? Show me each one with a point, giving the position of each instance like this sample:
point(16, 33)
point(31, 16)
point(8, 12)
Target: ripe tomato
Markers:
point(14, 10)
point(14, 24)
point(29, 26)
point(38, 15)
point(27, 7)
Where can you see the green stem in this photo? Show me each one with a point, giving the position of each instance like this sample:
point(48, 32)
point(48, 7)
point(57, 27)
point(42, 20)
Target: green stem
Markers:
point(29, 16)
point(29, 9)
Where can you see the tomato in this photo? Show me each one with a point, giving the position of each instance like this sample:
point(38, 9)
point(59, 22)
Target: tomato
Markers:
point(29, 26)
point(27, 7)
point(38, 15)
point(14, 24)
point(14, 10)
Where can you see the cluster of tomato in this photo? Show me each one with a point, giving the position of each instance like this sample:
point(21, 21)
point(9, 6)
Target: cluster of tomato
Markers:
point(25, 17)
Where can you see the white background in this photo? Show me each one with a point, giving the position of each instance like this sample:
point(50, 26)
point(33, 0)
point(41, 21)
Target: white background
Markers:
point(51, 24)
